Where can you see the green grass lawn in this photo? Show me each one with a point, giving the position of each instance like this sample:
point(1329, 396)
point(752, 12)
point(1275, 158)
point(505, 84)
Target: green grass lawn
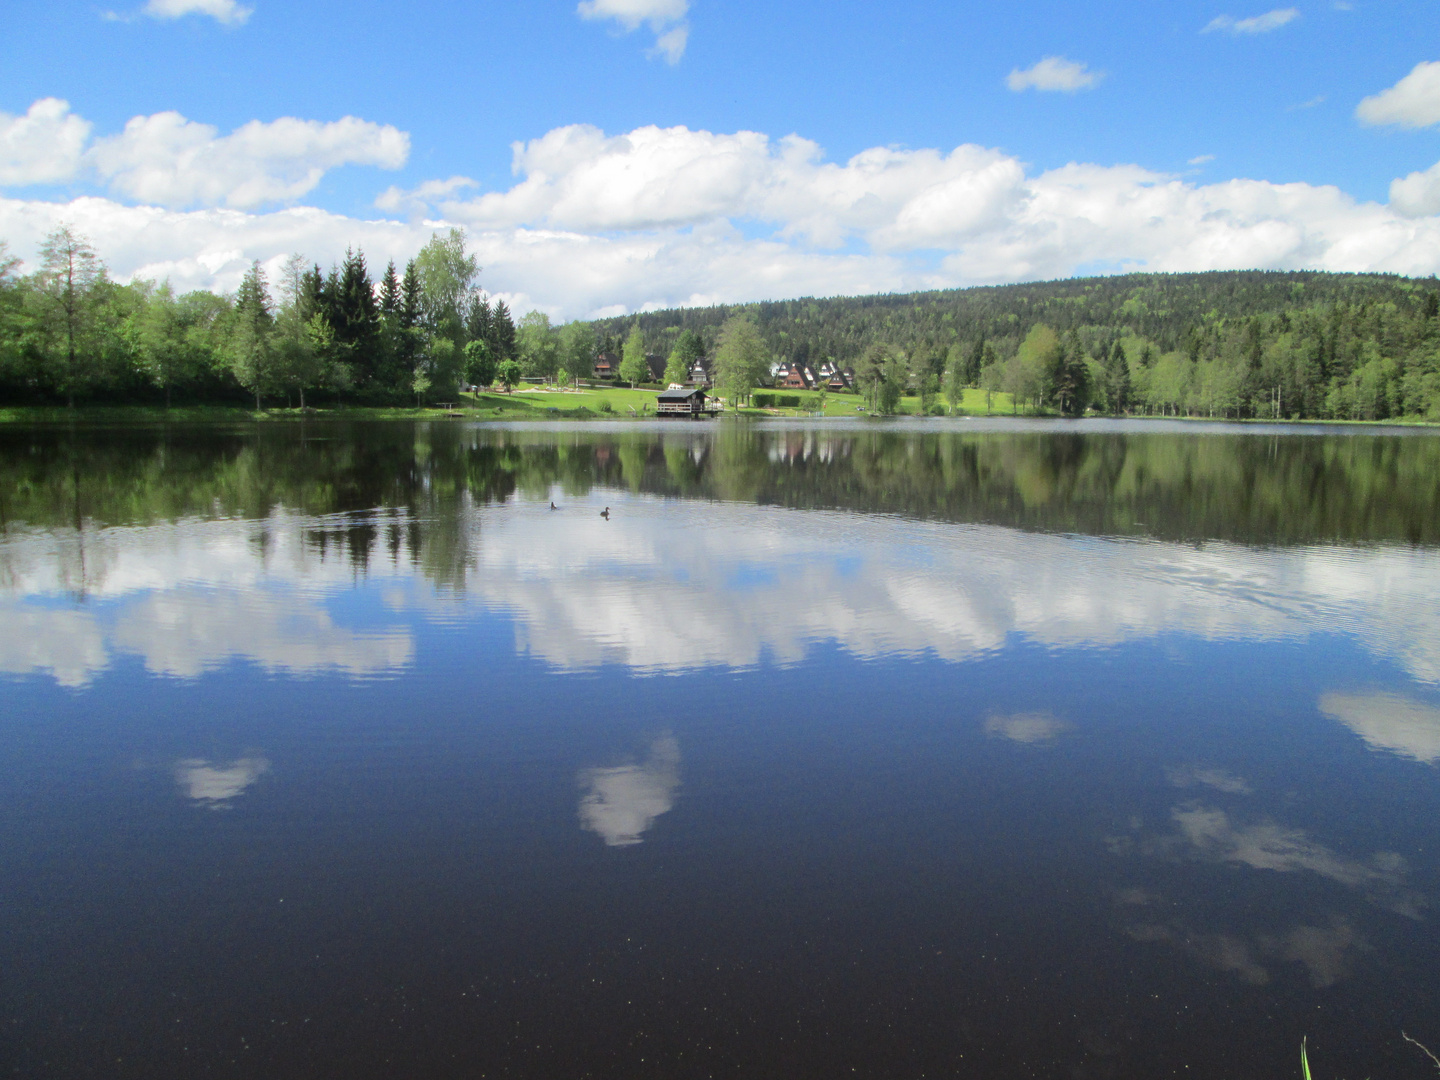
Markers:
point(854, 404)
point(527, 402)
point(537, 402)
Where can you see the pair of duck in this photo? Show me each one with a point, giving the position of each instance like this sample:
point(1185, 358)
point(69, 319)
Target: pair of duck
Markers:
point(603, 513)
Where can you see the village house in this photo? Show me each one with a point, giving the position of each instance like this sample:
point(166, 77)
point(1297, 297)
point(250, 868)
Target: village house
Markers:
point(832, 377)
point(793, 375)
point(607, 366)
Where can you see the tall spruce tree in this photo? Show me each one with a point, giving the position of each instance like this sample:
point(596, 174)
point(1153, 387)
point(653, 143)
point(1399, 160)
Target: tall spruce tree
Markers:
point(390, 296)
point(975, 362)
point(409, 338)
point(390, 376)
point(1117, 380)
point(502, 333)
point(358, 323)
point(478, 319)
point(249, 350)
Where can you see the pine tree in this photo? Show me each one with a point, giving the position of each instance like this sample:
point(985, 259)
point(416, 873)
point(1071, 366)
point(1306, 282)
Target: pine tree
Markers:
point(408, 335)
point(356, 331)
point(1117, 380)
point(390, 374)
point(1069, 376)
point(312, 294)
point(502, 333)
point(410, 298)
point(478, 319)
point(390, 297)
point(976, 362)
point(250, 352)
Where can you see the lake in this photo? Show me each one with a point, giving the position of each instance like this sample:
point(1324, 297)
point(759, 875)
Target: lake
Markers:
point(923, 749)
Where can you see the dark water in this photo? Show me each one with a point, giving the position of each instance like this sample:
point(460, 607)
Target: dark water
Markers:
point(968, 750)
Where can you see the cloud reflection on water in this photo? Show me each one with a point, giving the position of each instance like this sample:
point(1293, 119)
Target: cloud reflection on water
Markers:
point(671, 585)
point(1266, 845)
point(1028, 728)
point(1326, 952)
point(654, 589)
point(185, 597)
point(1389, 722)
point(216, 786)
point(621, 803)
point(1186, 776)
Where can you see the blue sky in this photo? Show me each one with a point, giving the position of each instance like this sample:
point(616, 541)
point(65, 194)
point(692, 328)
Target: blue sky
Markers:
point(1158, 107)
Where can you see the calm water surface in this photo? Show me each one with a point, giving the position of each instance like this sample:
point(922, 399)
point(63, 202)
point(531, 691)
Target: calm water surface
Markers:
point(966, 749)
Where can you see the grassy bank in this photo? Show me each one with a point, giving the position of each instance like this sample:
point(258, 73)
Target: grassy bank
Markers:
point(527, 403)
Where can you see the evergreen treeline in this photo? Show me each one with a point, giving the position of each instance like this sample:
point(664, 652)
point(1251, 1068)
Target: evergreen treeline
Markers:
point(69, 333)
point(1225, 344)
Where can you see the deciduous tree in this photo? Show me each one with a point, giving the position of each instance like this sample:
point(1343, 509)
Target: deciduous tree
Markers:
point(633, 368)
point(742, 361)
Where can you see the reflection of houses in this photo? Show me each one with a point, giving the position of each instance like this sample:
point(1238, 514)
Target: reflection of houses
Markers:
point(685, 401)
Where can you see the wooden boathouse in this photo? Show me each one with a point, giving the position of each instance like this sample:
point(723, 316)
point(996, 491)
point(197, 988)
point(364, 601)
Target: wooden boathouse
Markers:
point(685, 401)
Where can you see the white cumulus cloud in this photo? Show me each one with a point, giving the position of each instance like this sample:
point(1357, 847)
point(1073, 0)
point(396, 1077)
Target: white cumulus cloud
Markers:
point(396, 199)
point(43, 146)
point(1413, 102)
point(223, 11)
point(666, 18)
point(1054, 73)
point(656, 216)
point(1255, 24)
point(171, 161)
point(1417, 195)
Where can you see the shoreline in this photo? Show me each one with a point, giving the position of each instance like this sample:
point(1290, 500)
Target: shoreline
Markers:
point(128, 415)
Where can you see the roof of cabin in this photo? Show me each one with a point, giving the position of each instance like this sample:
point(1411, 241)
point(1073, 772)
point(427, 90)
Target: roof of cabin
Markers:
point(680, 395)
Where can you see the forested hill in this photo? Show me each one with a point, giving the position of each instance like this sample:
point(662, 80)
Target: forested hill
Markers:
point(1164, 308)
point(1227, 343)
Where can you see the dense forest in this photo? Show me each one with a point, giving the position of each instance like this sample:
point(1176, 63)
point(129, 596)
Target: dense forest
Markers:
point(1237, 344)
point(1242, 344)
